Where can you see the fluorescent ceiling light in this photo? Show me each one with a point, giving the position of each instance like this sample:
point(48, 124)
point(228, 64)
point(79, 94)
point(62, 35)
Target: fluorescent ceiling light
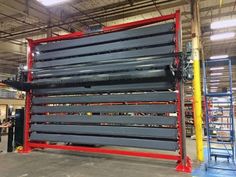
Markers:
point(214, 83)
point(214, 87)
point(234, 88)
point(216, 68)
point(52, 2)
point(25, 67)
point(219, 56)
point(223, 24)
point(222, 36)
point(216, 74)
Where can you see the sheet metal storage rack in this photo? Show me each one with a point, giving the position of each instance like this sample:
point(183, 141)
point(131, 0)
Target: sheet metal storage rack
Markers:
point(110, 88)
point(219, 112)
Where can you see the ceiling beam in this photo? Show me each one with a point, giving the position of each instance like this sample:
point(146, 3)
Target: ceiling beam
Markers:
point(12, 48)
point(214, 7)
point(14, 102)
point(20, 8)
point(131, 2)
point(204, 18)
point(16, 15)
point(34, 10)
point(4, 70)
point(137, 11)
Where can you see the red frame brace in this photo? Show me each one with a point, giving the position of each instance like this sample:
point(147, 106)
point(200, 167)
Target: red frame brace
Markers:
point(183, 165)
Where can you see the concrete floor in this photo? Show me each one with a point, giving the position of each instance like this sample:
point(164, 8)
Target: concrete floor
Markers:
point(74, 164)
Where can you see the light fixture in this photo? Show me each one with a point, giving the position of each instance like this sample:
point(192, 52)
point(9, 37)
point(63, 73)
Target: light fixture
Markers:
point(52, 2)
point(25, 68)
point(214, 81)
point(223, 24)
point(222, 36)
point(216, 74)
point(214, 84)
point(214, 87)
point(234, 88)
point(219, 56)
point(216, 68)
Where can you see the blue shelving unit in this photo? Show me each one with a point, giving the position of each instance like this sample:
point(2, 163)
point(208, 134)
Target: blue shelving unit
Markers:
point(219, 113)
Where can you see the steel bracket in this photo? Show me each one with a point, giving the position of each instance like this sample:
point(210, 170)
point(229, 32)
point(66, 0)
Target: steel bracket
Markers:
point(187, 167)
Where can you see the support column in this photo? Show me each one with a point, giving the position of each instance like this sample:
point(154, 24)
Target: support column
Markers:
point(197, 98)
point(49, 30)
point(26, 144)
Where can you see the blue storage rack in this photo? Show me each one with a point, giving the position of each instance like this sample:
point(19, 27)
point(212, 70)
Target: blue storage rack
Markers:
point(219, 111)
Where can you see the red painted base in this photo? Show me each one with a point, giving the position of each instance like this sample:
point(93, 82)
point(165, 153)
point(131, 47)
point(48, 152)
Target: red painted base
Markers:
point(181, 168)
point(24, 151)
point(105, 151)
point(187, 168)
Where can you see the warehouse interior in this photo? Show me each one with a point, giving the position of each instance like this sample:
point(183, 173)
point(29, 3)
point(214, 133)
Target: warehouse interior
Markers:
point(117, 88)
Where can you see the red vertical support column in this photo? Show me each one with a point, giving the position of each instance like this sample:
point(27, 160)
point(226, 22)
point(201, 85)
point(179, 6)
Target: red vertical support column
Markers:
point(184, 165)
point(26, 146)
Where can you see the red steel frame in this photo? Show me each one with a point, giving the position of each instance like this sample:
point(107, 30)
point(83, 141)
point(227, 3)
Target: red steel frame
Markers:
point(184, 163)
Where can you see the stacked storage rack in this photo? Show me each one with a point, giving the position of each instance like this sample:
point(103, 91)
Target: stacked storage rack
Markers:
point(112, 88)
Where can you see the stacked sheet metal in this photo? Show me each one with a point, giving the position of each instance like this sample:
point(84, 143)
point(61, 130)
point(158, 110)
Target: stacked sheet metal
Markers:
point(107, 89)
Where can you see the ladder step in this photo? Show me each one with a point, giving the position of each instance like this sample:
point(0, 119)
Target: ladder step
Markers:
point(213, 110)
point(215, 136)
point(223, 61)
point(221, 149)
point(221, 103)
point(223, 130)
point(214, 142)
point(217, 78)
point(221, 117)
point(217, 109)
point(215, 123)
point(218, 94)
point(225, 155)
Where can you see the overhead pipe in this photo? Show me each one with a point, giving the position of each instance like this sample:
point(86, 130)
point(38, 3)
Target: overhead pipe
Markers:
point(77, 20)
point(114, 11)
point(59, 24)
point(17, 20)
